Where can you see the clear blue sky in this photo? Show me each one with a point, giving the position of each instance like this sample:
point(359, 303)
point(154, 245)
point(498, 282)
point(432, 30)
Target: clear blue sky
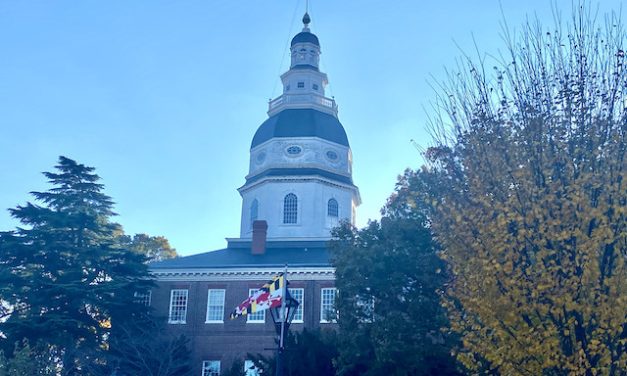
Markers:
point(163, 97)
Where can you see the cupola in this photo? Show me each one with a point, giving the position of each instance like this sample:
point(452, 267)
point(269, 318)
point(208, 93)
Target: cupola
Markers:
point(300, 176)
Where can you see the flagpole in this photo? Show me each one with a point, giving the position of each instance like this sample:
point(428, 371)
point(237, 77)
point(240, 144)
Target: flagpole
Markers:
point(279, 360)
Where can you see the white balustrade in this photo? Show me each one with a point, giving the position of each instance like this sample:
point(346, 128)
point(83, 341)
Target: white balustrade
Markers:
point(302, 99)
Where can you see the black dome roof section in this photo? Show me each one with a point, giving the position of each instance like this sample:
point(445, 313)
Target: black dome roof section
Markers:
point(301, 123)
point(305, 37)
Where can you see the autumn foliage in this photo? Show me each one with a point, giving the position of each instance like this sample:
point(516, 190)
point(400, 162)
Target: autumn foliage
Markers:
point(529, 202)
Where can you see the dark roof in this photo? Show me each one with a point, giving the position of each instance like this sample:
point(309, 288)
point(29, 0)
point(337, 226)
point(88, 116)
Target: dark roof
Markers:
point(300, 172)
point(305, 37)
point(304, 66)
point(301, 123)
point(294, 254)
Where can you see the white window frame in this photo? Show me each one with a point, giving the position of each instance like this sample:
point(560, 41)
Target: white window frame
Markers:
point(301, 305)
point(293, 214)
point(209, 368)
point(336, 208)
point(262, 313)
point(323, 320)
point(143, 298)
point(215, 321)
point(250, 369)
point(172, 296)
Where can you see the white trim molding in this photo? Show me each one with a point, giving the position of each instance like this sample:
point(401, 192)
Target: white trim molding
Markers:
point(242, 274)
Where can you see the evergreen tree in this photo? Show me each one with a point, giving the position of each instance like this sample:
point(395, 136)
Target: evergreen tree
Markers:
point(63, 280)
point(27, 361)
point(306, 353)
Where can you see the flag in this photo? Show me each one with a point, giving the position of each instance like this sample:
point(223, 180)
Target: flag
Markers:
point(268, 296)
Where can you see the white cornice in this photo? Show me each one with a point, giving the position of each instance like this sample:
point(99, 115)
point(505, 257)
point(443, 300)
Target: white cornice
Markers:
point(299, 179)
point(242, 274)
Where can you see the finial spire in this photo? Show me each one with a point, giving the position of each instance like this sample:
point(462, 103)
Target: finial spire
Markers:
point(306, 19)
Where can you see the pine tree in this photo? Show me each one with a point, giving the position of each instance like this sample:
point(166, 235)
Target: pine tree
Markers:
point(63, 280)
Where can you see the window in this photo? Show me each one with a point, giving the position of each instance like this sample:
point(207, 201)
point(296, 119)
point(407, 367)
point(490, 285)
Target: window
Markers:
point(332, 208)
point(215, 306)
point(143, 297)
point(294, 150)
point(298, 295)
point(315, 86)
point(250, 369)
point(327, 305)
point(287, 87)
point(258, 317)
point(332, 155)
point(300, 85)
point(290, 208)
point(254, 211)
point(178, 307)
point(211, 368)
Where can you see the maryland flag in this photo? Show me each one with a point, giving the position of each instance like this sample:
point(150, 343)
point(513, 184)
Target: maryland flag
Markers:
point(268, 296)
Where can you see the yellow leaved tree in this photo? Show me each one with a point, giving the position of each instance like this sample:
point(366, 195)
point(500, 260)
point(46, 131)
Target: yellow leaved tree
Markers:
point(529, 202)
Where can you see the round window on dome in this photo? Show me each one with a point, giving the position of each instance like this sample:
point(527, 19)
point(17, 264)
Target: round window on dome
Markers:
point(332, 156)
point(294, 150)
point(261, 157)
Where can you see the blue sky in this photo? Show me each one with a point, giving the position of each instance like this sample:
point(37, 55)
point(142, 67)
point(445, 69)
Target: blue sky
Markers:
point(163, 97)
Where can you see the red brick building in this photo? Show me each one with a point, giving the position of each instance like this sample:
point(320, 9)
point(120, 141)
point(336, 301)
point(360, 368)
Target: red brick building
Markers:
point(300, 184)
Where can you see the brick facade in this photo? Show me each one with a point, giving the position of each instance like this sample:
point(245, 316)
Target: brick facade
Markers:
point(232, 339)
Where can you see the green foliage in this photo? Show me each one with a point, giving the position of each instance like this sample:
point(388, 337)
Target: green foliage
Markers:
point(531, 202)
point(145, 347)
point(306, 353)
point(155, 248)
point(389, 278)
point(237, 369)
point(27, 361)
point(64, 281)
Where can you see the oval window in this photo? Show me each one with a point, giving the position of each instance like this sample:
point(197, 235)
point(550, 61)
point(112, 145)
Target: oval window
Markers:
point(294, 150)
point(332, 155)
point(261, 157)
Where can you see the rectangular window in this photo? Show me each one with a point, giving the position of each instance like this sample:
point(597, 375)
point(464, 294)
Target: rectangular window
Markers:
point(178, 306)
point(250, 369)
point(255, 318)
point(300, 85)
point(215, 306)
point(315, 87)
point(327, 305)
point(143, 297)
point(298, 294)
point(210, 368)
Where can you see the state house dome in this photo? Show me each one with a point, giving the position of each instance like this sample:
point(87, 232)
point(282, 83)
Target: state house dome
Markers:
point(305, 122)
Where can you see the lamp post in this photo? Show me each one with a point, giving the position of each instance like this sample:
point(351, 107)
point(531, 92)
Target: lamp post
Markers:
point(282, 317)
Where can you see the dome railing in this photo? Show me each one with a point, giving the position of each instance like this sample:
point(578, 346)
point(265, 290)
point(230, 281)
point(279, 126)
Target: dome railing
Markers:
point(298, 100)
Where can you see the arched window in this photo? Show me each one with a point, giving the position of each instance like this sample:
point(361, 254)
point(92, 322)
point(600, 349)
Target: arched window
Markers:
point(290, 208)
point(254, 211)
point(332, 208)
